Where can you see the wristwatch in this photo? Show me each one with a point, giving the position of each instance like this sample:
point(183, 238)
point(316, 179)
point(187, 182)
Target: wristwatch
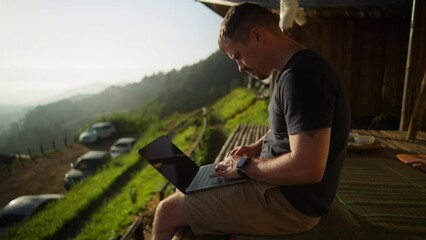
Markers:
point(241, 164)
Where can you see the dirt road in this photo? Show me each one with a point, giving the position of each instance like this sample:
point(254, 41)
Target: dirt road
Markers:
point(43, 175)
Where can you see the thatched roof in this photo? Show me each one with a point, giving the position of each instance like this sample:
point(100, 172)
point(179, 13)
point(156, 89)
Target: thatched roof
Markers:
point(375, 8)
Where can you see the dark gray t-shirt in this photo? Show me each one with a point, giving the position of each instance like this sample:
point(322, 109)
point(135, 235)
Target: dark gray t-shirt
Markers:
point(309, 95)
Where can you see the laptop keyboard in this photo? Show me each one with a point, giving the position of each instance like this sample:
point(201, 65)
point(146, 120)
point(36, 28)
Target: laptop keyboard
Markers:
point(203, 179)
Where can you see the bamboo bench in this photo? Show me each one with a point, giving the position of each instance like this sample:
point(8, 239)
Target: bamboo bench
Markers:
point(360, 210)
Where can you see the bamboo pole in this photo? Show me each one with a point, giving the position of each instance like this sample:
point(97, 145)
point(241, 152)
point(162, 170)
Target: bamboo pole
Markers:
point(407, 68)
point(416, 117)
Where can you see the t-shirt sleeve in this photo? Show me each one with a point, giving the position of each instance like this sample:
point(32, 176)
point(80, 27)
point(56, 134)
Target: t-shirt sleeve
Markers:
point(308, 99)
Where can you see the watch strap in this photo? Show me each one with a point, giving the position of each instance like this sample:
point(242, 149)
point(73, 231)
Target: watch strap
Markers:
point(241, 173)
point(241, 164)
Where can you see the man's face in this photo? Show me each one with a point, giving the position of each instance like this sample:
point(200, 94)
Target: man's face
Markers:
point(248, 56)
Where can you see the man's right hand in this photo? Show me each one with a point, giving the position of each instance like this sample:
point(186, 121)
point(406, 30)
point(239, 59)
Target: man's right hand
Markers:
point(248, 151)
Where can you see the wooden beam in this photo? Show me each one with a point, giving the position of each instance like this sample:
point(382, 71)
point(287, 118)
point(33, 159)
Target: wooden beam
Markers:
point(417, 116)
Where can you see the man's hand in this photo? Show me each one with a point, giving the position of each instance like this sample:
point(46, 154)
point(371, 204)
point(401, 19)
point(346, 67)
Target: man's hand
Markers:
point(227, 168)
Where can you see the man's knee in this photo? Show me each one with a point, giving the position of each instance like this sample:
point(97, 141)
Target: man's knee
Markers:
point(168, 217)
point(171, 207)
point(167, 205)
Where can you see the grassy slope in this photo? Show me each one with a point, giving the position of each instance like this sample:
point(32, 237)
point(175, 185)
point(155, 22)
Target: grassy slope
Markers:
point(108, 221)
point(240, 107)
point(113, 216)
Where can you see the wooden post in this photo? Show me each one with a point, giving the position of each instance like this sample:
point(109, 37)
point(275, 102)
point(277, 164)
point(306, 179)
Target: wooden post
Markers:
point(416, 117)
point(135, 230)
point(407, 68)
point(31, 155)
point(19, 157)
point(273, 78)
point(41, 149)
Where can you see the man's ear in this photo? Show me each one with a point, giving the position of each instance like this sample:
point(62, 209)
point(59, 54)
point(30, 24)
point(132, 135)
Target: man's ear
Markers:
point(257, 34)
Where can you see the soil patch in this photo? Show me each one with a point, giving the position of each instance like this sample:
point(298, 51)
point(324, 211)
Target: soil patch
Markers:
point(45, 174)
point(39, 176)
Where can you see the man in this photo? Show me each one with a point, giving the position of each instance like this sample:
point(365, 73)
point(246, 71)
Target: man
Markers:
point(294, 169)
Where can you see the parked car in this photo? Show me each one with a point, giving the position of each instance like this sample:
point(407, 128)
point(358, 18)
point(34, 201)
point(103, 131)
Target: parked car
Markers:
point(97, 132)
point(22, 208)
point(122, 146)
point(86, 165)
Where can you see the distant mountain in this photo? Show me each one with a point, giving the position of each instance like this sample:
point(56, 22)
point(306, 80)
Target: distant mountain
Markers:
point(184, 90)
point(77, 93)
point(5, 109)
point(13, 113)
point(10, 114)
point(79, 97)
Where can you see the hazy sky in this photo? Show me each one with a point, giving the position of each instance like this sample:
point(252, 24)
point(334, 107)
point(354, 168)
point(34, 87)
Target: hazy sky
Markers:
point(49, 46)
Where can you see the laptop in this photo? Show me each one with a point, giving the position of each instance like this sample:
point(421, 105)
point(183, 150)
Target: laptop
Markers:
point(180, 170)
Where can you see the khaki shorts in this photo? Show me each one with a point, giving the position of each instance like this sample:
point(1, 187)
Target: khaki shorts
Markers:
point(252, 207)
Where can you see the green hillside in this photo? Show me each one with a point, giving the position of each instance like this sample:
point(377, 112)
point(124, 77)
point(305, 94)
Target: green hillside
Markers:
point(181, 90)
point(109, 201)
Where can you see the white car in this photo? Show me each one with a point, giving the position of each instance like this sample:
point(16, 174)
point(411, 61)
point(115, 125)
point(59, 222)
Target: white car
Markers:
point(97, 132)
point(22, 208)
point(121, 146)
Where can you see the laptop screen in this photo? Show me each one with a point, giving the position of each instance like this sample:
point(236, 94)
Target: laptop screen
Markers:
point(170, 161)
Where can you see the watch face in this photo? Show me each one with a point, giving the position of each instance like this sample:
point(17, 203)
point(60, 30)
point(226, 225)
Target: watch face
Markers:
point(240, 165)
point(242, 162)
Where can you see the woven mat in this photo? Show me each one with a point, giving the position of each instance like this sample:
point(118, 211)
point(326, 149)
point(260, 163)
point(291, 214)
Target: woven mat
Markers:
point(378, 198)
point(386, 197)
point(339, 225)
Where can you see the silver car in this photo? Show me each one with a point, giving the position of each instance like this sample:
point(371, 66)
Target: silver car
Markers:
point(97, 132)
point(122, 146)
point(22, 208)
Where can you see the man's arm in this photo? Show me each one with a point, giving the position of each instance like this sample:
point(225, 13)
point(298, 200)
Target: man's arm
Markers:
point(304, 164)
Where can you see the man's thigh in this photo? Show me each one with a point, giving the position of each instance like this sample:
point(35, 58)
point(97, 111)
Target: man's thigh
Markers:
point(248, 208)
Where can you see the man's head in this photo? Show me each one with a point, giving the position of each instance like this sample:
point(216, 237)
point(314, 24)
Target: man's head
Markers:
point(240, 19)
point(243, 35)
